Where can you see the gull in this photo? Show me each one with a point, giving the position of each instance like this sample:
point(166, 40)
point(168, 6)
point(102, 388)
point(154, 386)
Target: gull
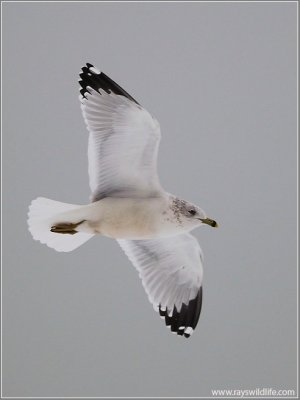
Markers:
point(128, 204)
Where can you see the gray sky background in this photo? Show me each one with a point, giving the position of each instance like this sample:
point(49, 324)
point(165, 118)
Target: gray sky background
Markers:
point(221, 79)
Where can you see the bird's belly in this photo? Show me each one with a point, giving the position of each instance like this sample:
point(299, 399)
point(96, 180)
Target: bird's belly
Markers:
point(128, 220)
point(128, 227)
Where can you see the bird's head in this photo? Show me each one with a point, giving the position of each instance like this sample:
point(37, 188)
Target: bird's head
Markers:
point(190, 214)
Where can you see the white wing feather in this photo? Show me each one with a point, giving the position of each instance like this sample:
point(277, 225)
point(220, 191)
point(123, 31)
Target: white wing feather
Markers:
point(170, 268)
point(123, 146)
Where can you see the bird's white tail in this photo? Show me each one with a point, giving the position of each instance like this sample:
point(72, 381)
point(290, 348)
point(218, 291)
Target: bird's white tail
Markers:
point(44, 213)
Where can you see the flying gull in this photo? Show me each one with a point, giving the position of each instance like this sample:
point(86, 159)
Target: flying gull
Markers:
point(128, 204)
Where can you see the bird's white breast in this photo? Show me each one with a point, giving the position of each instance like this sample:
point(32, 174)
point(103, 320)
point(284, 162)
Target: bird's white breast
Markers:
point(134, 218)
point(125, 218)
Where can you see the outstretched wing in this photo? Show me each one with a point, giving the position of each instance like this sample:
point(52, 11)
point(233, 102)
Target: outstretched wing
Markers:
point(171, 272)
point(123, 141)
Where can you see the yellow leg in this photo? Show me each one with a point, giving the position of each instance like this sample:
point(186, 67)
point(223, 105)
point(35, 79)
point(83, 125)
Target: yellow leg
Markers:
point(66, 227)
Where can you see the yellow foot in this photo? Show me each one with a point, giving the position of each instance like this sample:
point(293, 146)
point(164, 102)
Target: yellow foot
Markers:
point(66, 228)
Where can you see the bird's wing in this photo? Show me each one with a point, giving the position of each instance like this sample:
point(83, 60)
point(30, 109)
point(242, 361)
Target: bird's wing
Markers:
point(123, 141)
point(171, 272)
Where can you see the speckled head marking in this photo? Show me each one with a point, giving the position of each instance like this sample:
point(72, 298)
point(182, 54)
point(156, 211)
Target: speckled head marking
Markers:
point(178, 207)
point(188, 215)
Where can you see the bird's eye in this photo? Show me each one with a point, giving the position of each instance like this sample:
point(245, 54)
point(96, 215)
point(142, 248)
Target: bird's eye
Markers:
point(192, 212)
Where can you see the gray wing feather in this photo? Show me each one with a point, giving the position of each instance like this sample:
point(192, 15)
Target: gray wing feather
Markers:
point(171, 270)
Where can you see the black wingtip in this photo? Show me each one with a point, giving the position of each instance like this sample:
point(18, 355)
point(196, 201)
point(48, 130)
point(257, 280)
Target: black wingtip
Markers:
point(90, 76)
point(185, 321)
